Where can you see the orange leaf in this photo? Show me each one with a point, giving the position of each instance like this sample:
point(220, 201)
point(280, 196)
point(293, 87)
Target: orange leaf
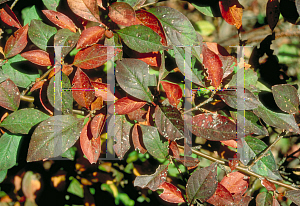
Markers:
point(213, 64)
point(101, 90)
point(38, 85)
point(97, 125)
point(16, 42)
point(38, 57)
point(97, 104)
point(232, 12)
point(171, 193)
point(122, 13)
point(235, 182)
point(272, 13)
point(173, 92)
point(126, 105)
point(9, 17)
point(87, 9)
point(60, 20)
point(230, 143)
point(90, 36)
point(221, 197)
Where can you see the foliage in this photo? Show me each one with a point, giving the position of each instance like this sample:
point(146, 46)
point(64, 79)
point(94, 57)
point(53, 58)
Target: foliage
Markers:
point(86, 79)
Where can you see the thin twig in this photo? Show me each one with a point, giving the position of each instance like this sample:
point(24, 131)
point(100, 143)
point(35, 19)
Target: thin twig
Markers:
point(263, 154)
point(240, 169)
point(27, 98)
point(13, 4)
point(149, 4)
point(202, 103)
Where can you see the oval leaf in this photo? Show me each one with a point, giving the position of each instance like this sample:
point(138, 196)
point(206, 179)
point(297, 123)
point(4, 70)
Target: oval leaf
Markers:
point(232, 12)
point(173, 92)
point(126, 105)
point(213, 127)
point(103, 90)
point(90, 36)
point(235, 182)
point(8, 17)
point(171, 193)
point(264, 199)
point(9, 95)
point(66, 39)
point(134, 78)
point(272, 13)
point(60, 20)
point(16, 42)
point(53, 137)
point(202, 184)
point(221, 197)
point(286, 97)
point(38, 57)
point(21, 121)
point(122, 13)
point(97, 125)
point(87, 9)
point(82, 89)
point(137, 139)
point(294, 195)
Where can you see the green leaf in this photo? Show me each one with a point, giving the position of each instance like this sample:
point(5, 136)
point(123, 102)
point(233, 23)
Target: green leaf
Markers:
point(2, 175)
point(282, 121)
point(30, 13)
point(65, 96)
point(177, 26)
point(286, 97)
point(40, 33)
point(141, 38)
point(67, 39)
point(133, 3)
point(250, 80)
point(3, 76)
point(204, 9)
point(202, 184)
point(21, 121)
point(264, 199)
point(294, 195)
point(54, 136)
point(134, 78)
point(266, 166)
point(70, 153)
point(51, 4)
point(19, 72)
point(152, 142)
point(75, 188)
point(9, 145)
point(205, 28)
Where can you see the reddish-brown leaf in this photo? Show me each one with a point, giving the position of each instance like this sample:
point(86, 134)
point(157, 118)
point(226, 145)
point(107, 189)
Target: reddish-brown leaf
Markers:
point(151, 58)
point(87, 9)
point(126, 105)
point(232, 12)
point(103, 90)
point(16, 42)
point(173, 92)
point(109, 34)
point(90, 36)
point(174, 149)
point(9, 17)
point(82, 89)
point(91, 147)
point(97, 125)
point(93, 56)
point(235, 182)
point(67, 69)
point(153, 23)
point(268, 185)
point(272, 13)
point(38, 57)
point(38, 85)
point(233, 163)
point(60, 20)
point(241, 200)
point(137, 139)
point(189, 161)
point(122, 13)
point(138, 115)
point(221, 197)
point(275, 202)
point(171, 193)
point(9, 95)
point(97, 104)
point(44, 100)
point(213, 64)
point(230, 143)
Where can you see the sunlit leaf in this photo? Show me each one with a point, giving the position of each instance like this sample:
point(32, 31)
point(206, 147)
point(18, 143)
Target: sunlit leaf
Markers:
point(126, 105)
point(286, 97)
point(90, 36)
point(221, 197)
point(171, 193)
point(59, 19)
point(66, 39)
point(103, 90)
point(51, 4)
point(38, 57)
point(232, 12)
point(202, 184)
point(173, 92)
point(87, 9)
point(8, 17)
point(53, 137)
point(21, 121)
point(122, 13)
point(16, 42)
point(235, 182)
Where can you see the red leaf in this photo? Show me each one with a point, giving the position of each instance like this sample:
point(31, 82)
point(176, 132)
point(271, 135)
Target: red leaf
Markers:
point(122, 13)
point(232, 12)
point(268, 185)
point(153, 23)
point(97, 104)
point(233, 163)
point(230, 143)
point(151, 58)
point(235, 182)
point(44, 100)
point(93, 56)
point(137, 139)
point(87, 9)
point(171, 193)
point(38, 85)
point(126, 105)
point(60, 20)
point(82, 89)
point(272, 13)
point(101, 90)
point(221, 197)
point(241, 200)
point(138, 115)
point(16, 42)
point(189, 161)
point(91, 147)
point(174, 149)
point(213, 64)
point(97, 125)
point(38, 57)
point(9, 95)
point(8, 17)
point(173, 92)
point(90, 36)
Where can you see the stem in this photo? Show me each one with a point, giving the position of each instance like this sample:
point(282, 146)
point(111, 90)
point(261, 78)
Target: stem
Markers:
point(13, 4)
point(149, 4)
point(266, 150)
point(240, 168)
point(202, 103)
point(27, 98)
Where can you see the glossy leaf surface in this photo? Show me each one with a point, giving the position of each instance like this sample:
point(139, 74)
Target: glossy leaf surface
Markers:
point(235, 182)
point(59, 19)
point(126, 105)
point(38, 57)
point(90, 36)
point(173, 92)
point(122, 13)
point(66, 39)
point(16, 42)
point(286, 97)
point(221, 197)
point(87, 9)
point(9, 95)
